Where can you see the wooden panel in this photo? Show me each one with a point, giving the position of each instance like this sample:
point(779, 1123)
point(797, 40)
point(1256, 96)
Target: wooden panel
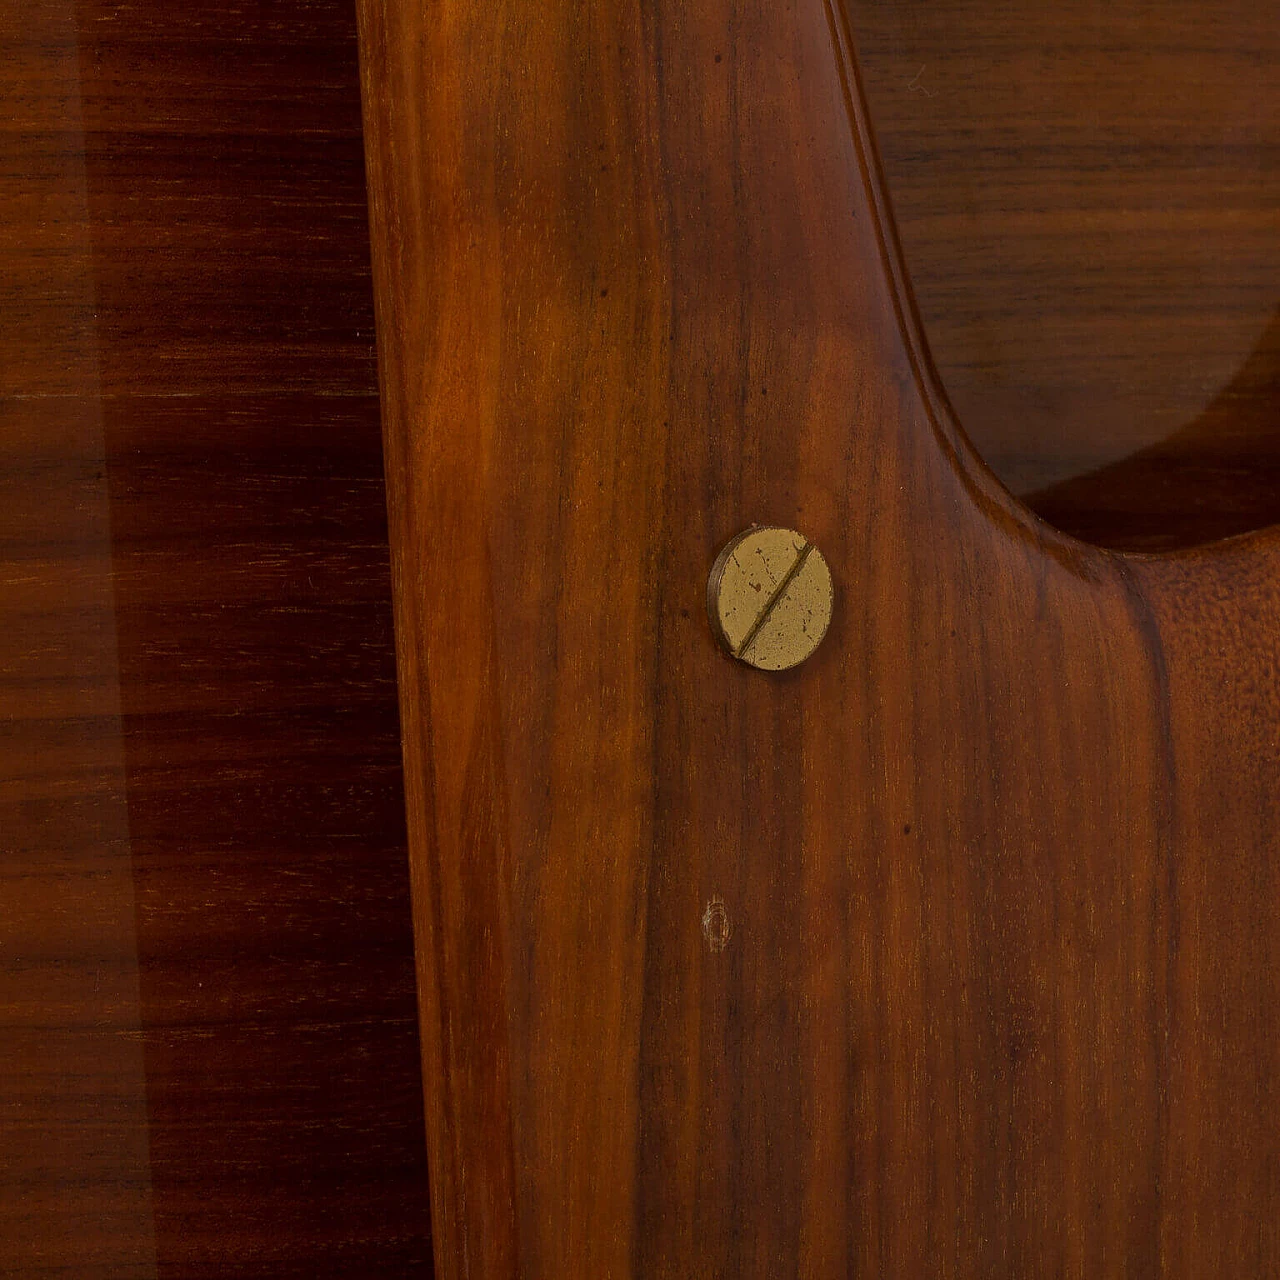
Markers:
point(1089, 203)
point(209, 1058)
point(988, 1006)
point(75, 1188)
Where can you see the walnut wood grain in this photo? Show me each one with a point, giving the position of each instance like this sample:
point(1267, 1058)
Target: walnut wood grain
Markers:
point(75, 1191)
point(1089, 202)
point(208, 1050)
point(994, 866)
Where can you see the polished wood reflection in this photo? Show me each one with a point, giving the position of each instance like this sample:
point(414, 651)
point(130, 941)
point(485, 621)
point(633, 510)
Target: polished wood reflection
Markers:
point(952, 952)
point(1089, 203)
point(208, 1057)
point(75, 1186)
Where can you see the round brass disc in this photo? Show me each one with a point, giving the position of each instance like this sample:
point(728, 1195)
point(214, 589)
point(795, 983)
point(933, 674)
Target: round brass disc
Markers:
point(770, 597)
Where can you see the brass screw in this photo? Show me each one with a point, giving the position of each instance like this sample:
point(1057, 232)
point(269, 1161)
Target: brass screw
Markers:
point(770, 597)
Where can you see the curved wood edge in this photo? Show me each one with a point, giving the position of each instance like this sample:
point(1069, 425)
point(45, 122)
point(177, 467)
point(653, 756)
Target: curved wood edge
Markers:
point(994, 861)
point(989, 492)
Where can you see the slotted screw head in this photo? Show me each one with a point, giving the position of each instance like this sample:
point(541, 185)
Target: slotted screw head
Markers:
point(770, 597)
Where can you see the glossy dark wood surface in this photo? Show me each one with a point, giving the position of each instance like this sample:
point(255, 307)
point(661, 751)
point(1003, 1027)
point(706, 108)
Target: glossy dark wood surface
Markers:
point(999, 993)
point(208, 1050)
point(1089, 202)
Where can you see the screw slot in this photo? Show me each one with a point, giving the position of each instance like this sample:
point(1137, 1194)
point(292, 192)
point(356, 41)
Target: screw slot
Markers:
point(770, 598)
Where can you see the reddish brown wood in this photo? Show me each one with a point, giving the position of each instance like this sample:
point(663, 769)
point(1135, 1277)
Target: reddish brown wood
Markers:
point(208, 1052)
point(998, 997)
point(1089, 201)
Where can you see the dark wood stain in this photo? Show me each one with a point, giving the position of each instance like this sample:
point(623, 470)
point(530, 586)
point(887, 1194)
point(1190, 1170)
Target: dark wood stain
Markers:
point(209, 1055)
point(1216, 477)
point(1089, 202)
point(998, 994)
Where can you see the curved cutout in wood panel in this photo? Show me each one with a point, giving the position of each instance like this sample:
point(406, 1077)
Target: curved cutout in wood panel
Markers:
point(1088, 199)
